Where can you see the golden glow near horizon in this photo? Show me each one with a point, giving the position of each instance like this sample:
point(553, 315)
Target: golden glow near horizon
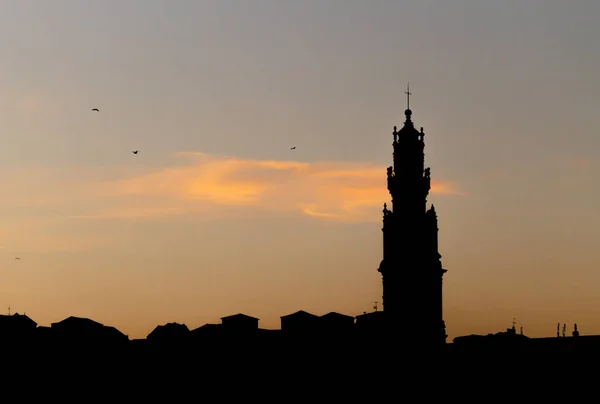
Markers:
point(195, 185)
point(218, 215)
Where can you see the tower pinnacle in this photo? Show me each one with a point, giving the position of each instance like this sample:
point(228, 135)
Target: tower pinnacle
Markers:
point(408, 94)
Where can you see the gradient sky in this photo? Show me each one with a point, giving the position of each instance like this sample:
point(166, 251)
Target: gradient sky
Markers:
point(217, 215)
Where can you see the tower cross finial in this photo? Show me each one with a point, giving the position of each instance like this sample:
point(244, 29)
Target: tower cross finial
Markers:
point(408, 94)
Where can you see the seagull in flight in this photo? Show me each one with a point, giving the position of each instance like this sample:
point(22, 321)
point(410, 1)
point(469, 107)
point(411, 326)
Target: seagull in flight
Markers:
point(17, 259)
point(96, 109)
point(293, 148)
point(135, 151)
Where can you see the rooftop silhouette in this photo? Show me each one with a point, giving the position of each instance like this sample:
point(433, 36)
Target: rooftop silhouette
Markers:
point(411, 319)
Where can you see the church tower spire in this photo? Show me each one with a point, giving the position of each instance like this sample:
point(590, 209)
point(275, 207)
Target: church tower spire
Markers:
point(411, 267)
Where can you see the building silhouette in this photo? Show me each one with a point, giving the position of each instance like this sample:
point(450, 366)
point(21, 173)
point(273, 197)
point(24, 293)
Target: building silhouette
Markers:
point(240, 324)
point(412, 315)
point(411, 267)
point(300, 324)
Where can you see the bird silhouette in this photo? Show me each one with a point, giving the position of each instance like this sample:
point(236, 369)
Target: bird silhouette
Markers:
point(96, 109)
point(135, 151)
point(18, 259)
point(293, 148)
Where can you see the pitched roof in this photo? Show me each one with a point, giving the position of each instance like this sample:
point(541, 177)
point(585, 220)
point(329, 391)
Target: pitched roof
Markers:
point(169, 329)
point(207, 327)
point(334, 314)
point(300, 313)
point(239, 315)
point(113, 331)
point(17, 318)
point(78, 321)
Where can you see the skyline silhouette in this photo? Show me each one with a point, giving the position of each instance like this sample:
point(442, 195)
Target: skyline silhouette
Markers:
point(412, 291)
point(217, 215)
point(240, 337)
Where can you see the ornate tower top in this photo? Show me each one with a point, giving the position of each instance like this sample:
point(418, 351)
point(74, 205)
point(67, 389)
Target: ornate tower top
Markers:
point(408, 123)
point(408, 112)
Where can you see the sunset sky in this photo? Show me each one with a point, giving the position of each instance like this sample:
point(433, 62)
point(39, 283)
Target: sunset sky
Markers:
point(216, 215)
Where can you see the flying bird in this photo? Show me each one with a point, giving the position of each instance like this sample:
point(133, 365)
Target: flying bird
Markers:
point(96, 109)
point(293, 148)
point(135, 151)
point(18, 259)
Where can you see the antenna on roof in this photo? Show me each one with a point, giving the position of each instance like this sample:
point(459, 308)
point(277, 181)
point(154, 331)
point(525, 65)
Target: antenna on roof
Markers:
point(514, 323)
point(9, 310)
point(375, 306)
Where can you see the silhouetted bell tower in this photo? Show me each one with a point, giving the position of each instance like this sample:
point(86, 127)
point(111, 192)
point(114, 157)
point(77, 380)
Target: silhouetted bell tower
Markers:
point(411, 267)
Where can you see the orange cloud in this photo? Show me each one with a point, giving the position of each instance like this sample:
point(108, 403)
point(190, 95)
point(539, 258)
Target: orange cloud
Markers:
point(204, 185)
point(334, 190)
